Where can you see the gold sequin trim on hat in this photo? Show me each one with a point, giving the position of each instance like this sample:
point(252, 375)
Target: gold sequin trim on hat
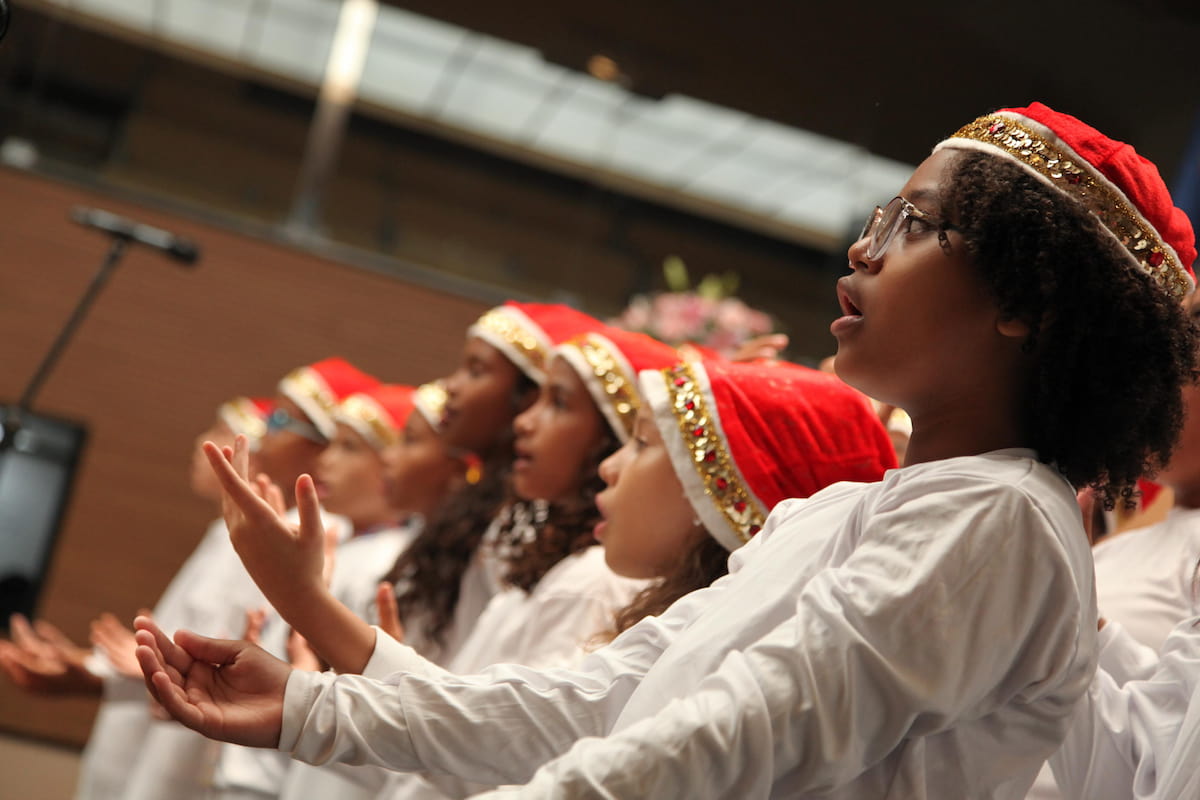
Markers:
point(618, 388)
point(309, 384)
point(709, 454)
point(430, 398)
point(1080, 181)
point(243, 417)
point(364, 410)
point(501, 324)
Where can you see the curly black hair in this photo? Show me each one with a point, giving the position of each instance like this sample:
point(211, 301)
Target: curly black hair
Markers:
point(568, 527)
point(1111, 348)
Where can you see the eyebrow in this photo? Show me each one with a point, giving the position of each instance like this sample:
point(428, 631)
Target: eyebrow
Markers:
point(930, 196)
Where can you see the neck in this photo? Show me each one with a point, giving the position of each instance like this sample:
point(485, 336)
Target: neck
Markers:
point(1186, 496)
point(375, 523)
point(962, 429)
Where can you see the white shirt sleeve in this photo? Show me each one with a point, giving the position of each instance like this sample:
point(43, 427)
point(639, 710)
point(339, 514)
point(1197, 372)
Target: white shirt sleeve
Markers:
point(938, 616)
point(1123, 657)
point(1122, 736)
point(419, 718)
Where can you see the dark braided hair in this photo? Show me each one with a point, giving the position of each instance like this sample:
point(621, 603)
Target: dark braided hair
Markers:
point(567, 529)
point(1112, 349)
point(428, 574)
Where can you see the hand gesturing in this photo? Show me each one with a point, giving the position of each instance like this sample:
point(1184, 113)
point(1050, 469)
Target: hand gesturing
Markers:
point(226, 690)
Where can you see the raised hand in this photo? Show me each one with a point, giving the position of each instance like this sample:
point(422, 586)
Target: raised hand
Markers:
point(388, 611)
point(41, 659)
point(255, 619)
point(285, 560)
point(760, 347)
point(116, 640)
point(301, 655)
point(226, 690)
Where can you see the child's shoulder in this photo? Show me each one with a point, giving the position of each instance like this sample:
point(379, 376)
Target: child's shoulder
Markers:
point(1005, 481)
point(1015, 469)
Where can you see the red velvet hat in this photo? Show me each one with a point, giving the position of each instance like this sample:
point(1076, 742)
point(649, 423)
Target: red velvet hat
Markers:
point(528, 332)
point(319, 387)
point(246, 415)
point(609, 361)
point(378, 415)
point(744, 437)
point(1112, 181)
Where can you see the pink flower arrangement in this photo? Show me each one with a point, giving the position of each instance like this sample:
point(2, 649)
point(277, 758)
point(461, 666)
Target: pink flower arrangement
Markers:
point(709, 316)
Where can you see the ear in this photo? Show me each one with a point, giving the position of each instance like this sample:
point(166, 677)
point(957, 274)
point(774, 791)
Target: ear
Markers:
point(1013, 328)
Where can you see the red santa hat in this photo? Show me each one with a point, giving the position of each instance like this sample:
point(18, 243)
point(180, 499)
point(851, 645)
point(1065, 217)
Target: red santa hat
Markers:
point(527, 333)
point(743, 437)
point(609, 361)
point(246, 416)
point(377, 415)
point(1122, 189)
point(318, 388)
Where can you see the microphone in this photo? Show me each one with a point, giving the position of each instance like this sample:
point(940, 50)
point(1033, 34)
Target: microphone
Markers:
point(183, 250)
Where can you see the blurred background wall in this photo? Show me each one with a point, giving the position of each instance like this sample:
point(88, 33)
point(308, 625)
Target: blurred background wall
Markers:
point(551, 151)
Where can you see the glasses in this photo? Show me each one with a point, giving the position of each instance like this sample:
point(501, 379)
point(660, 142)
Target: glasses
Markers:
point(281, 420)
point(898, 214)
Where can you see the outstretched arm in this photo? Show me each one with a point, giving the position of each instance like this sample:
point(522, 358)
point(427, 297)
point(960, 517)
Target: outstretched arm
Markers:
point(226, 690)
point(287, 562)
point(41, 659)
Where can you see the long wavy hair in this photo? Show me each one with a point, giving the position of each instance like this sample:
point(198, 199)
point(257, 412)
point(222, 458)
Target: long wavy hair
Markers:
point(428, 574)
point(700, 565)
point(528, 554)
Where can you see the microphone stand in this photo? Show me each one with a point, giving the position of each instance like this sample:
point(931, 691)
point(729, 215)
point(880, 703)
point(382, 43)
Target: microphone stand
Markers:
point(12, 422)
point(12, 419)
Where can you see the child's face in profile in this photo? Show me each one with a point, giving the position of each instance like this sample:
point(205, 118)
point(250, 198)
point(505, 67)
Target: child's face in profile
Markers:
point(283, 454)
point(480, 398)
point(918, 323)
point(419, 468)
point(555, 437)
point(349, 479)
point(648, 522)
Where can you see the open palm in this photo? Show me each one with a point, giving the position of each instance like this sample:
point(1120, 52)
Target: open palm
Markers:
point(226, 690)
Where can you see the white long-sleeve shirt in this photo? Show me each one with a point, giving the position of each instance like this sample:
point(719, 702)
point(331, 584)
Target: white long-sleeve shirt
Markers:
point(1143, 582)
point(924, 636)
point(361, 563)
point(550, 626)
point(147, 759)
point(1127, 739)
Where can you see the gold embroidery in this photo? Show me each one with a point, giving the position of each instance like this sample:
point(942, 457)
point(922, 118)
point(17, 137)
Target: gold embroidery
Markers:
point(245, 417)
point(710, 456)
point(431, 399)
point(1140, 240)
point(309, 384)
point(501, 324)
point(618, 387)
point(365, 410)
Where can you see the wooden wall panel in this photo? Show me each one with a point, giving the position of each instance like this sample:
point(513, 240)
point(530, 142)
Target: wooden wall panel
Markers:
point(161, 349)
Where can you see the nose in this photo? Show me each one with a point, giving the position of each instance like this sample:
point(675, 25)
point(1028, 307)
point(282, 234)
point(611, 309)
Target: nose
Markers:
point(856, 256)
point(610, 468)
point(523, 423)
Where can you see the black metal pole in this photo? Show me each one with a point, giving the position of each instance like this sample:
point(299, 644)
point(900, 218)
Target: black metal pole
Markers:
point(102, 275)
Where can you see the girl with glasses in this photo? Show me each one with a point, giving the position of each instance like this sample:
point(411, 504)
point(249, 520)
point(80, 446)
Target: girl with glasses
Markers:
point(923, 636)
